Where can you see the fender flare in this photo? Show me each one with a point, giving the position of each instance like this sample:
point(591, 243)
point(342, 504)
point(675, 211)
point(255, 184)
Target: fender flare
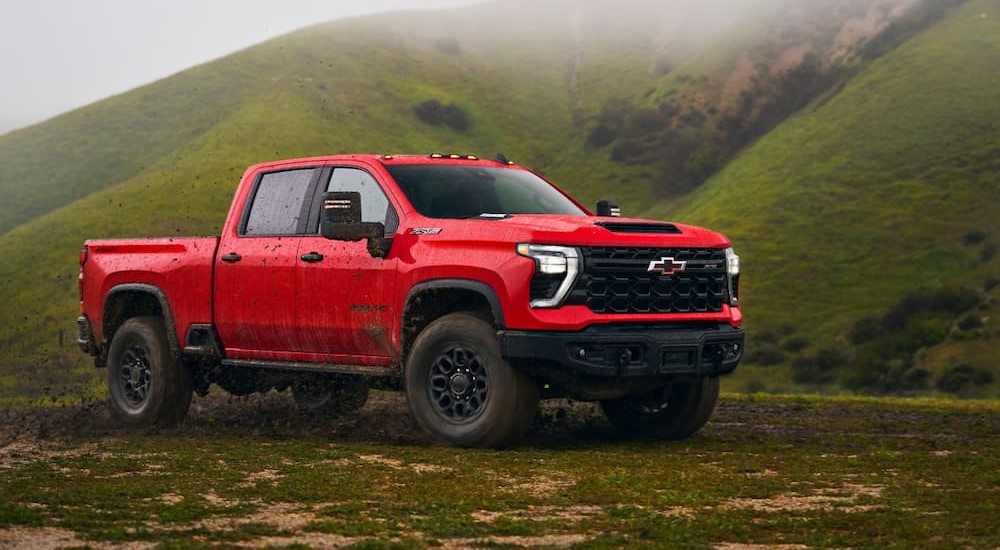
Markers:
point(478, 287)
point(161, 297)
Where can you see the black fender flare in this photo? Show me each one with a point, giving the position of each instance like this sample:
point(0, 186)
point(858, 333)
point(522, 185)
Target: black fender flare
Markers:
point(478, 287)
point(161, 297)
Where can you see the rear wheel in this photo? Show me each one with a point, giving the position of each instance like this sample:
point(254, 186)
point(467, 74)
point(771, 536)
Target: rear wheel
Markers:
point(147, 385)
point(461, 390)
point(675, 411)
point(337, 394)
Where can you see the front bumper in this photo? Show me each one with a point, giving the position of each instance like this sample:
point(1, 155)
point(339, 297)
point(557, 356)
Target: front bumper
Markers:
point(674, 350)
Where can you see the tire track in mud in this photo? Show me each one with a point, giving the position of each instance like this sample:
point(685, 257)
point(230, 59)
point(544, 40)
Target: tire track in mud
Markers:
point(386, 419)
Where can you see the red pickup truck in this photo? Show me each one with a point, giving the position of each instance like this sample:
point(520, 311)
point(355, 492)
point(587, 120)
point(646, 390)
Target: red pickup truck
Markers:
point(476, 286)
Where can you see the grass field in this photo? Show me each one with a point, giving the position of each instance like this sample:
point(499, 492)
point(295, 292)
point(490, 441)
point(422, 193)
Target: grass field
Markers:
point(786, 472)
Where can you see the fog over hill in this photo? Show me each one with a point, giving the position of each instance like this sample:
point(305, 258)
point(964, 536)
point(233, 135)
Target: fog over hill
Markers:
point(7, 125)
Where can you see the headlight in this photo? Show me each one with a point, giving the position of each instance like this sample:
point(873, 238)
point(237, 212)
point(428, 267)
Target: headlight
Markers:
point(556, 268)
point(733, 276)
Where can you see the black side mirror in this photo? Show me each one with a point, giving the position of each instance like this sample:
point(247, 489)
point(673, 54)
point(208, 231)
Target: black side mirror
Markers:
point(341, 221)
point(608, 209)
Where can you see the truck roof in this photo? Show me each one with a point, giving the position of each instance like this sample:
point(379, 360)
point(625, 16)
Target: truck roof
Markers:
point(392, 159)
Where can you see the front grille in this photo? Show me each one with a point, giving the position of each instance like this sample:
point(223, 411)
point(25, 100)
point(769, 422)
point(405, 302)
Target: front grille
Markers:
point(618, 280)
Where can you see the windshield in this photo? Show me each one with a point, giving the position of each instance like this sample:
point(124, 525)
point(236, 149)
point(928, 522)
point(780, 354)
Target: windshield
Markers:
point(442, 191)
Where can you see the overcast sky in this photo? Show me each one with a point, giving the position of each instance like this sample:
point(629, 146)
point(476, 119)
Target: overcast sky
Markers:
point(56, 55)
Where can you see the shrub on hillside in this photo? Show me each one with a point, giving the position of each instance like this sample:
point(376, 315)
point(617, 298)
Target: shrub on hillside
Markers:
point(627, 150)
point(988, 252)
point(942, 300)
point(970, 322)
point(435, 113)
point(866, 329)
point(703, 162)
point(820, 368)
point(886, 347)
point(448, 45)
point(600, 136)
point(974, 237)
point(990, 283)
point(963, 377)
point(875, 374)
point(768, 335)
point(764, 354)
point(610, 123)
point(795, 343)
point(663, 66)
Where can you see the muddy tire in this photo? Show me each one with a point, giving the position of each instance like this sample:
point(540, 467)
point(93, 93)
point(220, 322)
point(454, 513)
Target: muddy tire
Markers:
point(332, 395)
point(675, 411)
point(460, 389)
point(148, 386)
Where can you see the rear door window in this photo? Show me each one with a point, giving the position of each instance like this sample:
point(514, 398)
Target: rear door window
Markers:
point(278, 204)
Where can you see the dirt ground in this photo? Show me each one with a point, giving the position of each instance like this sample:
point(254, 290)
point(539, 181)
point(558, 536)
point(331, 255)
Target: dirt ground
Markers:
point(386, 419)
point(873, 442)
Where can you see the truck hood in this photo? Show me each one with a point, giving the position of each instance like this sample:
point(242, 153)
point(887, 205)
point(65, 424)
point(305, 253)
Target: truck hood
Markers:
point(584, 231)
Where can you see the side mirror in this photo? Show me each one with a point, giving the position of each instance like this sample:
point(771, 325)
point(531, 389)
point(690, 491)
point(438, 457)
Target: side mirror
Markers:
point(340, 220)
point(608, 209)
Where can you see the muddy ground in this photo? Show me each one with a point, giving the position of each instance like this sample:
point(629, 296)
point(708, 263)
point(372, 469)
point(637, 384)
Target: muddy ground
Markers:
point(790, 472)
point(386, 419)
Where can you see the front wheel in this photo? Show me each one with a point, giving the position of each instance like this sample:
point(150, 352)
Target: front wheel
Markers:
point(461, 390)
point(147, 385)
point(675, 411)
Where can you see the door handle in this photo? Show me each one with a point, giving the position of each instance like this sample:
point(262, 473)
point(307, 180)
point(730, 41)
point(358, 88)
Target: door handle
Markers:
point(312, 257)
point(231, 258)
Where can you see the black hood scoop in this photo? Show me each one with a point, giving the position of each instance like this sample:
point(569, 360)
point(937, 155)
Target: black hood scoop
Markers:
point(635, 227)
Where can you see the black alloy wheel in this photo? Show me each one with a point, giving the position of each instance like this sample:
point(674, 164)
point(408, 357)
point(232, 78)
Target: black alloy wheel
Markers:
point(459, 385)
point(147, 385)
point(461, 390)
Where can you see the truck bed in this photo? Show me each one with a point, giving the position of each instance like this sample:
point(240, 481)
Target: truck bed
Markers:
point(180, 268)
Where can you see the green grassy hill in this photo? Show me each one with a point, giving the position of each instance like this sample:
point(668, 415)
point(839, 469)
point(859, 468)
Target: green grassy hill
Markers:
point(883, 197)
point(164, 159)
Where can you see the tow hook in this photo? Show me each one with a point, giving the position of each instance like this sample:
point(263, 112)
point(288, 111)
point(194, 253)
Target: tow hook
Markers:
point(624, 358)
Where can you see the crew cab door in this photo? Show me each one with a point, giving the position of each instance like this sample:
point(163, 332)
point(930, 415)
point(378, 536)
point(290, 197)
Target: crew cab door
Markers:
point(344, 295)
point(255, 294)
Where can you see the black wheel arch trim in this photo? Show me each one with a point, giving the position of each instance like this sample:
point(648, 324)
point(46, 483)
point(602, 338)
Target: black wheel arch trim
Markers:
point(161, 297)
point(478, 287)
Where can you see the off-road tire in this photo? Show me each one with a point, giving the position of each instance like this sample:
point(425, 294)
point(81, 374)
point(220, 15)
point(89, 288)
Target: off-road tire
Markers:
point(331, 395)
point(147, 385)
point(675, 411)
point(461, 390)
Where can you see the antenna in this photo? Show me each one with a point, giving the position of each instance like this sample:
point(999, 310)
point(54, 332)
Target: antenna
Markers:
point(501, 158)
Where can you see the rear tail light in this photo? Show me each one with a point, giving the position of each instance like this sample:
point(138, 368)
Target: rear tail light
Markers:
point(79, 277)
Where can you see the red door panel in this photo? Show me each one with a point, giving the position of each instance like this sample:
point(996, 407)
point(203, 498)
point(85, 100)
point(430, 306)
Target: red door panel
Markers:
point(255, 296)
point(345, 302)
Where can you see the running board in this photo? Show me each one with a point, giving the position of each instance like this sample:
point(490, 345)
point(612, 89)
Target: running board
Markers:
point(367, 370)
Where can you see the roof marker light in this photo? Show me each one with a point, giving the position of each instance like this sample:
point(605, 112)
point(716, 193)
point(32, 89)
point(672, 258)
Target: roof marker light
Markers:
point(454, 156)
point(436, 155)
